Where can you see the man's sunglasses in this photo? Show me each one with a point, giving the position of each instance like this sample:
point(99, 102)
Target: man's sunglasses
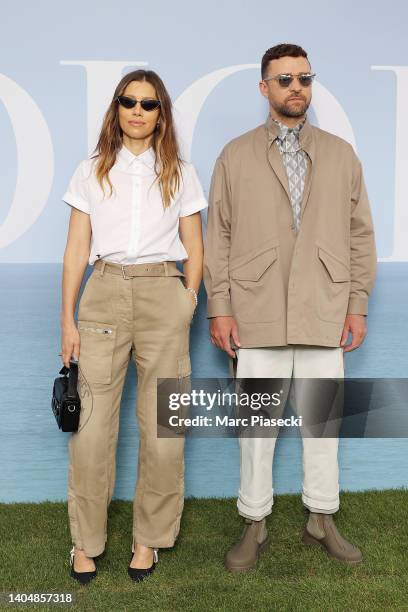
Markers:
point(148, 104)
point(284, 80)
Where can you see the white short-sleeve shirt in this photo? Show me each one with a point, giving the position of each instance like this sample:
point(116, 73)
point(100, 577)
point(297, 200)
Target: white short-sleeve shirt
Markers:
point(132, 226)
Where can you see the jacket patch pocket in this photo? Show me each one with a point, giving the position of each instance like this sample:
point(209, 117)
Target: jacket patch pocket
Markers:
point(96, 350)
point(253, 270)
point(256, 287)
point(337, 269)
point(332, 286)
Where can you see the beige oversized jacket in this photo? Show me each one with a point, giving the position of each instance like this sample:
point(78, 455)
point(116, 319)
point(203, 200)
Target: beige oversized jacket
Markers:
point(282, 289)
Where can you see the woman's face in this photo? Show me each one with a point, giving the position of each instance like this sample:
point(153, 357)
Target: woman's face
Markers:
point(135, 122)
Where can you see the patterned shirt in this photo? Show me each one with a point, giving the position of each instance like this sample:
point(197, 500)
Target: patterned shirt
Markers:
point(295, 162)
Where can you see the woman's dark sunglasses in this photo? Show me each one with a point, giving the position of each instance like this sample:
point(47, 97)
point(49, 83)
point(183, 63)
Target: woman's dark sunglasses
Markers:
point(284, 80)
point(148, 104)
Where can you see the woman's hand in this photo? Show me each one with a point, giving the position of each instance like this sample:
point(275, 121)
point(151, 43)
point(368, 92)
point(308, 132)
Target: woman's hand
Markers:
point(70, 342)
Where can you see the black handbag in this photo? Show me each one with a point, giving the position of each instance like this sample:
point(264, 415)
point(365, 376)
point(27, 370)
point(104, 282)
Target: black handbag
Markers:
point(65, 402)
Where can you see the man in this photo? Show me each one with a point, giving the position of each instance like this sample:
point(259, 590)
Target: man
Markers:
point(289, 264)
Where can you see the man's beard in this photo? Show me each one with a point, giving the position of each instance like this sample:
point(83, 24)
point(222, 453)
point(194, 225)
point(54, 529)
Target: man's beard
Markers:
point(287, 111)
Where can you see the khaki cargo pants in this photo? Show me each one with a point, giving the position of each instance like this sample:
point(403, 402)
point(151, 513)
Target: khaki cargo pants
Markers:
point(142, 312)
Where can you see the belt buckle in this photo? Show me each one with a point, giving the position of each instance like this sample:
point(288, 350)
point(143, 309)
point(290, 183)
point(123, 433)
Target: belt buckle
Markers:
point(124, 273)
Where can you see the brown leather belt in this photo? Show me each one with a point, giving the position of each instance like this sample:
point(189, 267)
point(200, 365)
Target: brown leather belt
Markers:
point(163, 268)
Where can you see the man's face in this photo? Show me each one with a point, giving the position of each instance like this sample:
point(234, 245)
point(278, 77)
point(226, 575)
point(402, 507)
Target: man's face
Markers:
point(291, 101)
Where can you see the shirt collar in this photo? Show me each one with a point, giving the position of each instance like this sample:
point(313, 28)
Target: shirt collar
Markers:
point(129, 162)
point(274, 130)
point(284, 129)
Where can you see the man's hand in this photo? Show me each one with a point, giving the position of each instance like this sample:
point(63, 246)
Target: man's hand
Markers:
point(356, 325)
point(221, 330)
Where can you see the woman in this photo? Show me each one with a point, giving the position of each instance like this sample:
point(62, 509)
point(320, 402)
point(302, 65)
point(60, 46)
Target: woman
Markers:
point(135, 212)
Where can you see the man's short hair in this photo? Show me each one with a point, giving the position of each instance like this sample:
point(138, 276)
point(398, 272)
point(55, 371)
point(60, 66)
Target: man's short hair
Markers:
point(282, 50)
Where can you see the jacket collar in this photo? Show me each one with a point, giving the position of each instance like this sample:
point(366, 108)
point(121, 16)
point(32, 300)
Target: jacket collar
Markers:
point(128, 162)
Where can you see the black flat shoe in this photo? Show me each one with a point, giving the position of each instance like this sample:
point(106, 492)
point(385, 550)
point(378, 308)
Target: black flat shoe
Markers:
point(138, 574)
point(82, 577)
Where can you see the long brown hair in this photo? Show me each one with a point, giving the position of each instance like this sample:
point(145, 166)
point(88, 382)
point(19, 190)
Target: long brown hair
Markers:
point(164, 142)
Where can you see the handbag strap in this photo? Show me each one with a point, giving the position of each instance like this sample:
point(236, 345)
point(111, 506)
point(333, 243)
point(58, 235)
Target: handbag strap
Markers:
point(72, 378)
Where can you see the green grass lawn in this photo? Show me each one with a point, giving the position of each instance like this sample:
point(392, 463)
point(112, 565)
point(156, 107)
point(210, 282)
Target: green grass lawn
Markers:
point(35, 546)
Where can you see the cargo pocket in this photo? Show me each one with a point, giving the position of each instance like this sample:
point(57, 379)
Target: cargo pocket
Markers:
point(332, 286)
point(96, 350)
point(85, 394)
point(168, 391)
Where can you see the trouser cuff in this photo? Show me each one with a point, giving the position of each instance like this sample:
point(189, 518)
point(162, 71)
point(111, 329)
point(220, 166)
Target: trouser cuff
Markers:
point(255, 511)
point(152, 543)
point(90, 551)
point(324, 506)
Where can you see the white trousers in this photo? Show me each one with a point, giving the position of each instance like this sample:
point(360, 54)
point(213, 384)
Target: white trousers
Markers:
point(320, 465)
